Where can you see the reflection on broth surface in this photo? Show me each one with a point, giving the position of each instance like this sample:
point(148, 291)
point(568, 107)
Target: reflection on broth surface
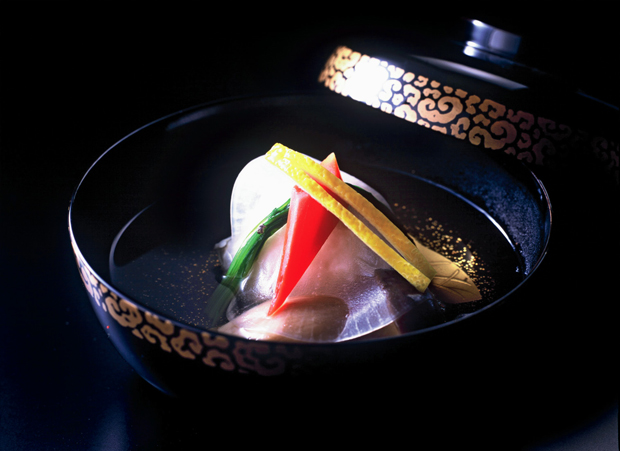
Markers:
point(174, 270)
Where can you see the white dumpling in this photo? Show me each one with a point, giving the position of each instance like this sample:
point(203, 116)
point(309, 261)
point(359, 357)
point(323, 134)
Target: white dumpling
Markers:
point(259, 188)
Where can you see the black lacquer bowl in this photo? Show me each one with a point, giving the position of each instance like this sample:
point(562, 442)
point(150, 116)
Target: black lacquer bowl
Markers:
point(145, 218)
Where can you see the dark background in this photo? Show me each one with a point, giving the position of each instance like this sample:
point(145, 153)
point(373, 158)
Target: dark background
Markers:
point(74, 80)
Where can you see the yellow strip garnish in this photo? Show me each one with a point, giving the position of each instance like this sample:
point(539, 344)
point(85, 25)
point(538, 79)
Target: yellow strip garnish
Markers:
point(407, 260)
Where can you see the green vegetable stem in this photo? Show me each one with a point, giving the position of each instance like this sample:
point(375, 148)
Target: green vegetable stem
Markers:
point(242, 262)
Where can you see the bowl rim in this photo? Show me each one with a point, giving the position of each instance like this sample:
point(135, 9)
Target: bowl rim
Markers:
point(83, 264)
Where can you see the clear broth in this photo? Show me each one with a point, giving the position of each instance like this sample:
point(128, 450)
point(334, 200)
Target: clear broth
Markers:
point(164, 257)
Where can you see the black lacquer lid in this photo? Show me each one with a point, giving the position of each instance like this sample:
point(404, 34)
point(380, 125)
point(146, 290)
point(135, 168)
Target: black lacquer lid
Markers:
point(477, 84)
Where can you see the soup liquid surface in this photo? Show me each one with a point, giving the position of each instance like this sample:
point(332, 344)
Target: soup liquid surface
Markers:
point(170, 265)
